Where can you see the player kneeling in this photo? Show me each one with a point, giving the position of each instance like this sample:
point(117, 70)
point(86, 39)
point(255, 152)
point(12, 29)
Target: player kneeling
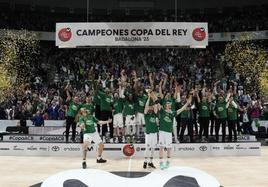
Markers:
point(87, 122)
point(151, 130)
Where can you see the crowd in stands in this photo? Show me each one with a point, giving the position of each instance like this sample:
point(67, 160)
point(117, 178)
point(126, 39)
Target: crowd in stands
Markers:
point(88, 70)
point(227, 20)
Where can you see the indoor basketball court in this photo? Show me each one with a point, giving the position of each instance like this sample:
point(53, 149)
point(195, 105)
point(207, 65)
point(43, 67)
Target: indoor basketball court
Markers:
point(230, 171)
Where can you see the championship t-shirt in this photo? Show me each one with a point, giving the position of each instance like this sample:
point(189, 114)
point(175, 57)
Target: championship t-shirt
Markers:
point(203, 109)
point(150, 123)
point(166, 120)
point(140, 103)
point(118, 106)
point(232, 113)
point(129, 108)
point(89, 122)
point(221, 110)
point(73, 108)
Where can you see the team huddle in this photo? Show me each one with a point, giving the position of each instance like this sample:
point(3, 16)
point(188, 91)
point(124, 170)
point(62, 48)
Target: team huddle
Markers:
point(127, 111)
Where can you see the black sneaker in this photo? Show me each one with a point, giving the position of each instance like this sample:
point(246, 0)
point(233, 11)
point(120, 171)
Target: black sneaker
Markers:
point(151, 165)
point(101, 160)
point(144, 165)
point(84, 165)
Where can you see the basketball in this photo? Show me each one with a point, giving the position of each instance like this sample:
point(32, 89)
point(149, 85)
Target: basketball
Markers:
point(128, 150)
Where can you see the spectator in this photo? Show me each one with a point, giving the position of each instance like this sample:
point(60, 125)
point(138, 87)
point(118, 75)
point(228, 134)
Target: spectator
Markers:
point(53, 111)
point(38, 119)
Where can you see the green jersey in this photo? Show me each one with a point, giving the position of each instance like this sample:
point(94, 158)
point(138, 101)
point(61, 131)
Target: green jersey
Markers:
point(97, 99)
point(203, 109)
point(221, 110)
point(232, 113)
point(166, 120)
point(118, 106)
point(186, 113)
point(73, 108)
point(89, 107)
point(150, 123)
point(89, 122)
point(140, 103)
point(129, 108)
point(105, 102)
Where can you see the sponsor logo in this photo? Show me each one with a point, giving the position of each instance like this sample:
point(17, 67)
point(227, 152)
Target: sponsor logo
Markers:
point(4, 149)
point(76, 132)
point(65, 34)
point(167, 119)
point(228, 147)
point(238, 146)
point(199, 34)
point(90, 149)
point(43, 148)
point(55, 148)
point(71, 149)
point(215, 148)
point(32, 148)
point(247, 138)
point(186, 149)
point(18, 138)
point(203, 148)
point(220, 109)
point(254, 148)
point(204, 107)
point(17, 148)
point(52, 138)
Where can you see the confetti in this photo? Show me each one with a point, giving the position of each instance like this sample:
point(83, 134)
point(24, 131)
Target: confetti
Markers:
point(18, 51)
point(249, 59)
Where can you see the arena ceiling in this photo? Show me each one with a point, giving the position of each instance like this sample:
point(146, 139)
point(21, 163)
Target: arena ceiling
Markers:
point(113, 5)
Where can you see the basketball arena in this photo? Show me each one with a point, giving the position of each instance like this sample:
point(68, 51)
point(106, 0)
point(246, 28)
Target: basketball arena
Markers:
point(133, 93)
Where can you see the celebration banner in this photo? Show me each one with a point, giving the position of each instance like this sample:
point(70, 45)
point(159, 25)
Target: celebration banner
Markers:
point(184, 34)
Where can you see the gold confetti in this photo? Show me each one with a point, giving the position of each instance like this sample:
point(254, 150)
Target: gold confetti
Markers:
point(18, 51)
point(249, 59)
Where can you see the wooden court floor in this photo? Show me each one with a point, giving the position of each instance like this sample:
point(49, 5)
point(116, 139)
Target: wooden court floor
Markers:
point(251, 171)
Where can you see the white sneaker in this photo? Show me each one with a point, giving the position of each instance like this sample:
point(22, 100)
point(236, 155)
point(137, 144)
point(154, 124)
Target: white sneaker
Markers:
point(111, 140)
point(123, 139)
point(116, 140)
point(103, 139)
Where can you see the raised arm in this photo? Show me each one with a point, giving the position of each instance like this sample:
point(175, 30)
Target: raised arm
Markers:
point(165, 80)
point(160, 90)
point(198, 98)
point(68, 93)
point(235, 86)
point(112, 82)
point(177, 94)
point(147, 104)
point(215, 87)
point(228, 96)
point(185, 106)
point(151, 80)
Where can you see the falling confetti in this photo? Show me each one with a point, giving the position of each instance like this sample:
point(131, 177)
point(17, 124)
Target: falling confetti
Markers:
point(18, 51)
point(248, 59)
